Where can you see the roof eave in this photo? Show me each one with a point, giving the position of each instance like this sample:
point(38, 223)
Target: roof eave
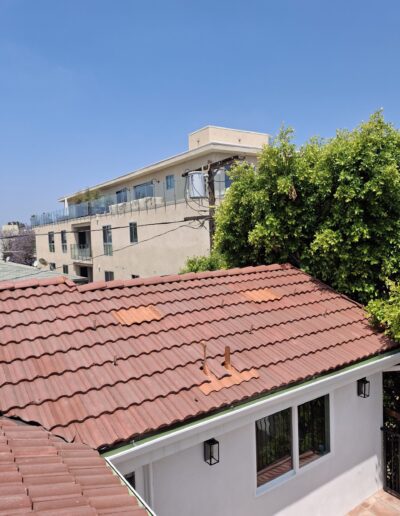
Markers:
point(171, 161)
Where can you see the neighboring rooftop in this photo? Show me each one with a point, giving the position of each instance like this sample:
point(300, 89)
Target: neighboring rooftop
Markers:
point(42, 474)
point(10, 271)
point(106, 363)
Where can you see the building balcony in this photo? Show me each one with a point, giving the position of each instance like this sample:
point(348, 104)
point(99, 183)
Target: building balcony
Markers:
point(81, 253)
point(137, 199)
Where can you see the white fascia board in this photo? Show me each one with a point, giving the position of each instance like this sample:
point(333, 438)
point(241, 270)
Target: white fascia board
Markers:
point(174, 160)
point(171, 442)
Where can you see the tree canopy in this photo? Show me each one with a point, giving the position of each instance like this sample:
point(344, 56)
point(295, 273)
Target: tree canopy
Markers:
point(330, 207)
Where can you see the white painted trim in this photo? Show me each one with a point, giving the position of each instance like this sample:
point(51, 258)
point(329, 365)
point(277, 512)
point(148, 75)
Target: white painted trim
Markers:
point(297, 470)
point(295, 438)
point(183, 438)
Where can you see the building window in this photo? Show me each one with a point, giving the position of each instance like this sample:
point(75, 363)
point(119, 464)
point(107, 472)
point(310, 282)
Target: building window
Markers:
point(64, 241)
point(65, 269)
point(313, 418)
point(133, 232)
point(51, 241)
point(274, 446)
point(144, 190)
point(170, 180)
point(122, 195)
point(107, 240)
point(130, 478)
point(109, 275)
point(228, 179)
point(52, 266)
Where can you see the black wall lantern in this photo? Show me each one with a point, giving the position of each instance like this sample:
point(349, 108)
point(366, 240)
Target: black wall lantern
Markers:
point(363, 388)
point(211, 451)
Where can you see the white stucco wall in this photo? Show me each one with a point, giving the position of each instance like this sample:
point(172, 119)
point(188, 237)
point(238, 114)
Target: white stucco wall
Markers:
point(183, 484)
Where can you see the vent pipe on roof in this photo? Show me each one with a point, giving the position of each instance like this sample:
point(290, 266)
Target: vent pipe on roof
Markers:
point(227, 362)
point(205, 366)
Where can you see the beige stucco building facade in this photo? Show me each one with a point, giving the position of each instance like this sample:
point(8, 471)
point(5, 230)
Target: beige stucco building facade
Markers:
point(143, 223)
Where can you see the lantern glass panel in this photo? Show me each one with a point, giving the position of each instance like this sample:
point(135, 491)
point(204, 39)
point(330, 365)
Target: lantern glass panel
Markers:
point(211, 451)
point(363, 388)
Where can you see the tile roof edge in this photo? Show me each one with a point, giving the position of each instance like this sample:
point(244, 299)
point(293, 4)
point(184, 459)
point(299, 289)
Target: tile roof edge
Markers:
point(173, 278)
point(34, 283)
point(108, 450)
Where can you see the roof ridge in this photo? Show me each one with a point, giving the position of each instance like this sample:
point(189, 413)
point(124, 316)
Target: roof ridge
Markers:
point(173, 278)
point(34, 283)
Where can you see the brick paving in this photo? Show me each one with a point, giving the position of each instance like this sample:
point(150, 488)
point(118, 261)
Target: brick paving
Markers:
point(380, 504)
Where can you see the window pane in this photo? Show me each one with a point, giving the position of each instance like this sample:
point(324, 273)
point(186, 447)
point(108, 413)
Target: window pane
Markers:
point(64, 241)
point(144, 190)
point(313, 429)
point(52, 266)
point(51, 241)
point(107, 236)
point(133, 232)
point(65, 269)
point(170, 182)
point(274, 446)
point(109, 275)
point(122, 195)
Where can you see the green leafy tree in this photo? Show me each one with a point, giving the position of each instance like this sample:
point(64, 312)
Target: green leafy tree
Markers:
point(330, 207)
point(204, 263)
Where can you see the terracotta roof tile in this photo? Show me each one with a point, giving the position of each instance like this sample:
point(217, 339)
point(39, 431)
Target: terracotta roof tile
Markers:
point(39, 479)
point(107, 362)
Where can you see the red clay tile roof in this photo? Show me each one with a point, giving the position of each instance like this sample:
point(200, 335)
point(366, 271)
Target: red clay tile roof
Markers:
point(68, 362)
point(42, 474)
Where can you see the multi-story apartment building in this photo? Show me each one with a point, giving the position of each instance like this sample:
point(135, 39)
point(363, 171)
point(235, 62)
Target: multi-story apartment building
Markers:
point(144, 223)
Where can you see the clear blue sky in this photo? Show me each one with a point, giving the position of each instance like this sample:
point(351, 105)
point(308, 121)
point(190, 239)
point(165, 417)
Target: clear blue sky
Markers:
point(90, 89)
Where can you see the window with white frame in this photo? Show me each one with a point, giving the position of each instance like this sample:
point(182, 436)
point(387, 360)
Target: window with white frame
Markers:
point(274, 438)
point(274, 446)
point(313, 423)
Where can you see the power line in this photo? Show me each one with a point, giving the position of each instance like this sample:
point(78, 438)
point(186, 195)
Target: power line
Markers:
point(118, 249)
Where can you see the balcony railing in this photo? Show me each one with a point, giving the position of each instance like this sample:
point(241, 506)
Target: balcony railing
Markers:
point(133, 200)
point(80, 252)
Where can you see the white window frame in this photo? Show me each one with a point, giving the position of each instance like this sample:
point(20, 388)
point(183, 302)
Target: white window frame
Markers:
point(296, 470)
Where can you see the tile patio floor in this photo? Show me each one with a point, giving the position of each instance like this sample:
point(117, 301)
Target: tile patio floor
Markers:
point(380, 504)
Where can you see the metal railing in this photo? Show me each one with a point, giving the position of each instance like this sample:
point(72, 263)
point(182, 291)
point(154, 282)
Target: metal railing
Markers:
point(110, 204)
point(391, 461)
point(81, 252)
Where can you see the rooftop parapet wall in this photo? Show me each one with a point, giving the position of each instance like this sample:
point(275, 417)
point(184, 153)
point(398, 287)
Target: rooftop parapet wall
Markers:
point(212, 134)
